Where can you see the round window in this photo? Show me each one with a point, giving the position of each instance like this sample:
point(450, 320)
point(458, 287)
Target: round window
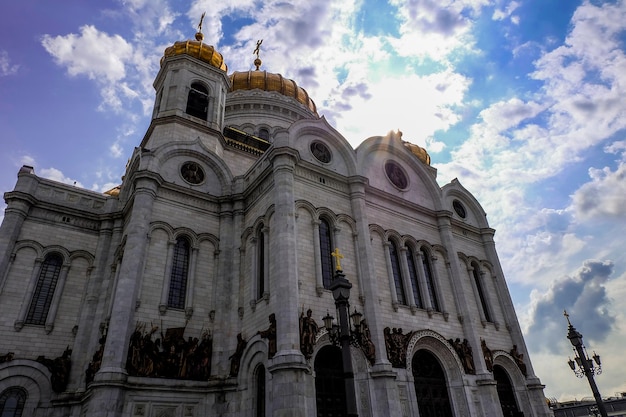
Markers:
point(321, 152)
point(459, 209)
point(192, 172)
point(396, 175)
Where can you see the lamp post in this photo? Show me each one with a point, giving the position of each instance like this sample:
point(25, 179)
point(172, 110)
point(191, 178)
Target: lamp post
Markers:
point(586, 366)
point(341, 333)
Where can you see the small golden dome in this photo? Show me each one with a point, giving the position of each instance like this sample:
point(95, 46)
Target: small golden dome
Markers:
point(263, 80)
point(418, 151)
point(197, 49)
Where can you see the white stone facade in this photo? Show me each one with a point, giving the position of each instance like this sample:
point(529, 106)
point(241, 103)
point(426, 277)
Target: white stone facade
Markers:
point(254, 213)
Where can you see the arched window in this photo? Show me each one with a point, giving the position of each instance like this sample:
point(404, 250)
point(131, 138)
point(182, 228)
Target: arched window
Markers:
point(481, 291)
point(410, 259)
point(326, 258)
point(505, 392)
point(430, 281)
point(264, 134)
point(430, 386)
point(395, 269)
point(179, 274)
point(198, 101)
point(12, 402)
point(260, 263)
point(44, 290)
point(259, 380)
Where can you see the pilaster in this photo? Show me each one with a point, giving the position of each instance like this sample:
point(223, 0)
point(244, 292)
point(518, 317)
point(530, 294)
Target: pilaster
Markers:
point(121, 323)
point(470, 330)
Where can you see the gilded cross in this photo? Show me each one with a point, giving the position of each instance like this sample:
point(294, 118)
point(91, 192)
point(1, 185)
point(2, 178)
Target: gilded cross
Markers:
point(257, 50)
point(338, 257)
point(567, 317)
point(200, 24)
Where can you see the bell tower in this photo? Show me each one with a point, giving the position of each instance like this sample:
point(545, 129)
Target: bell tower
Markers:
point(192, 83)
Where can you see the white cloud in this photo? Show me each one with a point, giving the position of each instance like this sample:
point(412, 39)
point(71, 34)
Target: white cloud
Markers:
point(56, 175)
point(424, 105)
point(551, 364)
point(503, 13)
point(434, 29)
point(6, 68)
point(27, 160)
point(92, 53)
point(518, 144)
point(604, 195)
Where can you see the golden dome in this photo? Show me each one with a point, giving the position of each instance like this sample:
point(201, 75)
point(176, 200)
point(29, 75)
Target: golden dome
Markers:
point(263, 80)
point(418, 151)
point(196, 49)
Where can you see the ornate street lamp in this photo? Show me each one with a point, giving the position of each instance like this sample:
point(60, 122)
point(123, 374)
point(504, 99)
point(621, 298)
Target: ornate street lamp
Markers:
point(341, 334)
point(582, 365)
point(356, 336)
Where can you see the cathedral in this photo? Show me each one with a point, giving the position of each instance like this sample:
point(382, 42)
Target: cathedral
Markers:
point(253, 263)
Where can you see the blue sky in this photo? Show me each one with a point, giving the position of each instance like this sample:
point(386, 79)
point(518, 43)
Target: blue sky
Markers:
point(522, 101)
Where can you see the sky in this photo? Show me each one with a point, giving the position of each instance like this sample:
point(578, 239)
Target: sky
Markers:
point(522, 101)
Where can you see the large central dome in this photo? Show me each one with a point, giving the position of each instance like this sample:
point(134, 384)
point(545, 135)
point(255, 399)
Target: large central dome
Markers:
point(267, 81)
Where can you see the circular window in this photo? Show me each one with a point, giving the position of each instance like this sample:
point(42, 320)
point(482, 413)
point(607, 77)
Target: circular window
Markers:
point(192, 172)
point(320, 152)
point(396, 175)
point(459, 209)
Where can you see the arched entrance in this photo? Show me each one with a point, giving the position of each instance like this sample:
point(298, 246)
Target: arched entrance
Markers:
point(330, 388)
point(505, 393)
point(430, 385)
point(259, 380)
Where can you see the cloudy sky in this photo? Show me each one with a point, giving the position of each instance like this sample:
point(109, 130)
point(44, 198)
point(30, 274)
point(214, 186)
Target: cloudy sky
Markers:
point(522, 101)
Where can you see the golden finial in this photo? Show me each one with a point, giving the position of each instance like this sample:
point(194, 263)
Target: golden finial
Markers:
point(338, 257)
point(257, 50)
point(199, 35)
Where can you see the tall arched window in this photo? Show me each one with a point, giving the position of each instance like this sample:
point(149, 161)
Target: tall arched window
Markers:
point(395, 269)
point(430, 281)
point(481, 291)
point(410, 259)
point(259, 380)
point(325, 253)
point(198, 101)
point(260, 259)
point(179, 274)
point(12, 402)
point(44, 290)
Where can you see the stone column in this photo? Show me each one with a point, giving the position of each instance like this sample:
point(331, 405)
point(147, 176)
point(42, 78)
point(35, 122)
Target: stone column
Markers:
point(390, 276)
point(88, 332)
point(484, 379)
point(437, 286)
point(533, 384)
point(30, 289)
point(191, 282)
point(108, 398)
point(167, 277)
point(423, 283)
point(406, 279)
point(56, 298)
point(226, 324)
point(288, 366)
point(319, 278)
point(385, 399)
point(19, 203)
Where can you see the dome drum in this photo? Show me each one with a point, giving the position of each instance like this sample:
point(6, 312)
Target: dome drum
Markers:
point(266, 81)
